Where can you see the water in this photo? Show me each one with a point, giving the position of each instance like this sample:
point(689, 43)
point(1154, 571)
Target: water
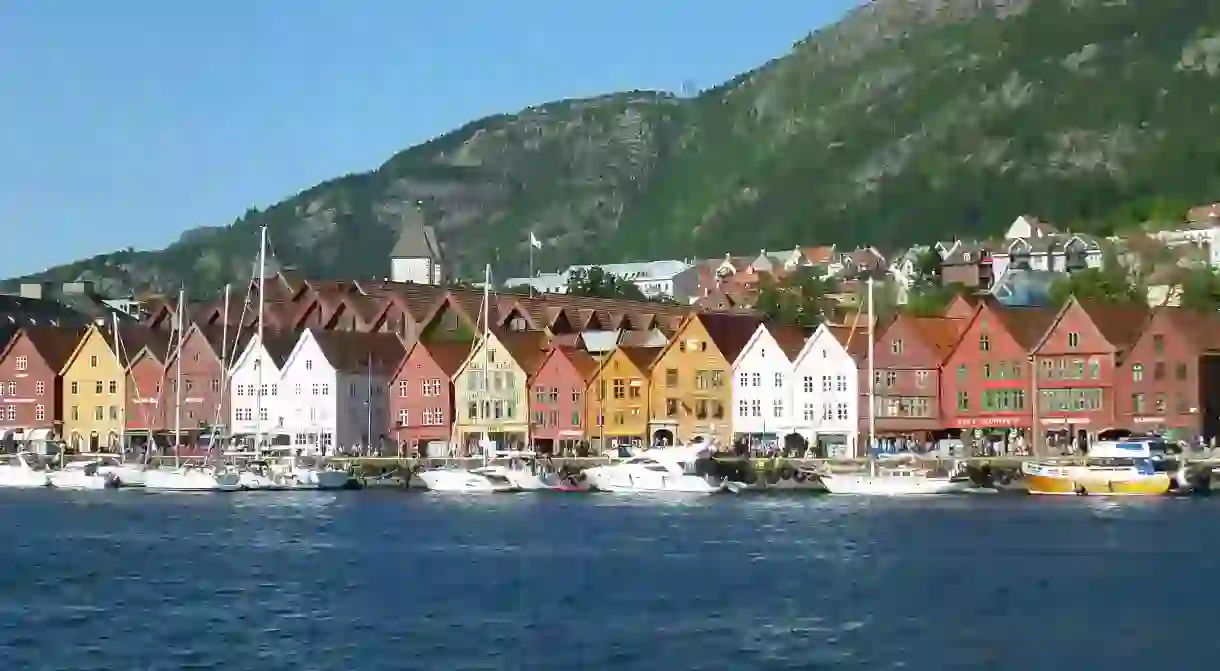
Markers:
point(367, 581)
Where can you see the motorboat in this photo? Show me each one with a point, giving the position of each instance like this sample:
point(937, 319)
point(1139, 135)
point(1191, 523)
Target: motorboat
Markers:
point(678, 469)
point(193, 478)
point(126, 474)
point(525, 471)
point(85, 474)
point(481, 480)
point(23, 470)
point(896, 480)
point(1112, 468)
point(289, 469)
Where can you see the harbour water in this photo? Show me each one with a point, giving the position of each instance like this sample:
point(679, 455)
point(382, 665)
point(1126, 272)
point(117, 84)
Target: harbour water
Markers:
point(369, 581)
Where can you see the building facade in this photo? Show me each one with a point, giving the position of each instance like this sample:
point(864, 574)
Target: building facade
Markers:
point(256, 407)
point(827, 376)
point(558, 394)
point(94, 381)
point(490, 391)
point(31, 391)
point(618, 410)
point(762, 402)
point(1162, 385)
point(421, 399)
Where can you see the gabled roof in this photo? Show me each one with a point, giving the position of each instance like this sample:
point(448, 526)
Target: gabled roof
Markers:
point(585, 366)
point(447, 355)
point(853, 340)
point(353, 352)
point(729, 332)
point(416, 240)
point(1027, 326)
point(278, 344)
point(53, 343)
point(1121, 325)
point(790, 339)
point(642, 358)
point(940, 334)
point(528, 348)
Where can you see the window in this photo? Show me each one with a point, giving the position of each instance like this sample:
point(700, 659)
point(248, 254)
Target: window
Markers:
point(841, 412)
point(262, 390)
point(114, 412)
point(896, 347)
point(891, 378)
point(40, 388)
point(987, 371)
point(75, 390)
point(1183, 404)
point(827, 383)
point(743, 408)
point(402, 417)
point(808, 384)
point(1179, 371)
point(756, 379)
point(297, 389)
point(314, 389)
point(921, 378)
point(326, 390)
point(93, 361)
point(432, 387)
point(1094, 368)
point(75, 413)
point(214, 385)
point(262, 414)
point(40, 412)
point(575, 419)
point(827, 412)
point(756, 408)
point(743, 379)
point(1158, 343)
point(309, 364)
point(1073, 339)
point(671, 377)
point(98, 387)
point(113, 387)
point(12, 413)
point(575, 395)
point(808, 412)
point(1137, 372)
point(961, 373)
point(841, 382)
point(777, 408)
point(20, 363)
point(98, 413)
point(1137, 403)
point(620, 387)
point(963, 401)
point(779, 380)
point(1158, 370)
point(1160, 404)
point(402, 388)
point(984, 343)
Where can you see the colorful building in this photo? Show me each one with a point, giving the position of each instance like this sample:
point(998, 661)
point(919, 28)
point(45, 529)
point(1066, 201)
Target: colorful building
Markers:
point(558, 394)
point(421, 396)
point(617, 413)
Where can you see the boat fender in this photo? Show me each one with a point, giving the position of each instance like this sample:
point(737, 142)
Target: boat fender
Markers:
point(799, 476)
point(1006, 478)
point(786, 472)
point(1081, 491)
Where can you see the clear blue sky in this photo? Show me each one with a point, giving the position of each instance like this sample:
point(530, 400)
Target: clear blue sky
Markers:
point(124, 123)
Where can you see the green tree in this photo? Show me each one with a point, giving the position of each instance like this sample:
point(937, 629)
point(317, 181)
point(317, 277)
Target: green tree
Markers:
point(1201, 289)
point(1109, 284)
point(795, 300)
point(597, 283)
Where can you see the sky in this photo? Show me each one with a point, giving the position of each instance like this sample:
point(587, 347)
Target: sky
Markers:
point(125, 123)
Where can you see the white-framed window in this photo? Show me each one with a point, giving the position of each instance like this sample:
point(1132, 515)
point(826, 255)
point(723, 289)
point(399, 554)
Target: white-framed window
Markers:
point(841, 382)
point(40, 388)
point(808, 383)
point(402, 417)
point(756, 408)
point(779, 380)
point(743, 408)
point(402, 389)
point(309, 364)
point(756, 379)
point(777, 407)
point(842, 412)
point(827, 383)
point(40, 412)
point(810, 413)
point(314, 389)
point(21, 363)
point(743, 379)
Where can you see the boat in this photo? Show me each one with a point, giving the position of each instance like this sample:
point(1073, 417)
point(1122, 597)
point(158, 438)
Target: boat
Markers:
point(289, 469)
point(23, 470)
point(487, 478)
point(662, 469)
point(482, 480)
point(896, 480)
point(125, 474)
point(85, 474)
point(1111, 468)
point(525, 471)
point(193, 478)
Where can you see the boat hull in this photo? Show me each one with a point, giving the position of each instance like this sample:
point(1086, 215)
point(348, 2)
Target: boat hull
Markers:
point(608, 479)
point(79, 480)
point(463, 481)
point(126, 475)
point(24, 480)
point(1150, 485)
point(191, 480)
point(868, 485)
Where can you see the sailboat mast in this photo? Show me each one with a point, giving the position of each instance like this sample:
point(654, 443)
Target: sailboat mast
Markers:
point(872, 384)
point(486, 356)
point(258, 403)
point(368, 428)
point(224, 361)
point(118, 349)
point(178, 377)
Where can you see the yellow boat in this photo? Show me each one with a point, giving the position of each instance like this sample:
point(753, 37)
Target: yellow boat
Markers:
point(1113, 468)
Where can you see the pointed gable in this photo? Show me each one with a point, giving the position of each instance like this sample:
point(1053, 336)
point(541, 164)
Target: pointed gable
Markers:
point(1096, 327)
point(729, 332)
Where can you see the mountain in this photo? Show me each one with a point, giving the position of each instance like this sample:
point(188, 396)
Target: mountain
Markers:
point(907, 121)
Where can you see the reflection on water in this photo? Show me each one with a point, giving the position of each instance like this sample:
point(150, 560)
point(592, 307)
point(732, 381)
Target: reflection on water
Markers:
point(384, 580)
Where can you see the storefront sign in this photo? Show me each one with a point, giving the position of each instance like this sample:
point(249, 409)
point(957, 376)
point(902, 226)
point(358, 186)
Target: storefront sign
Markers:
point(972, 422)
point(1075, 421)
point(1149, 420)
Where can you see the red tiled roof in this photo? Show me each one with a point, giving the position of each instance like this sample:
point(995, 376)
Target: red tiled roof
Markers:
point(730, 332)
point(641, 357)
point(448, 355)
point(353, 352)
point(791, 340)
point(940, 333)
point(854, 340)
point(528, 348)
point(1121, 325)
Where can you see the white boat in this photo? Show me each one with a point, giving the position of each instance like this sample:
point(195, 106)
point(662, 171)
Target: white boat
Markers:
point(1112, 468)
point(126, 474)
point(524, 471)
point(289, 469)
point(23, 471)
point(482, 480)
point(83, 475)
point(661, 469)
point(193, 478)
point(902, 480)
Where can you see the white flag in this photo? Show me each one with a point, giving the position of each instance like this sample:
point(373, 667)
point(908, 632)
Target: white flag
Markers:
point(534, 241)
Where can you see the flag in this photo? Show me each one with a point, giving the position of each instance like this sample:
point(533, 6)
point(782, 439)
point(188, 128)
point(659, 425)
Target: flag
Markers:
point(534, 242)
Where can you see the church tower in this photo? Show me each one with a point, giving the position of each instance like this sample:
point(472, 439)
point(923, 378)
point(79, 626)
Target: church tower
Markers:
point(417, 256)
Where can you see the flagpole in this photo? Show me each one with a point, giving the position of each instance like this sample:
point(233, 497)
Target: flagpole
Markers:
point(531, 282)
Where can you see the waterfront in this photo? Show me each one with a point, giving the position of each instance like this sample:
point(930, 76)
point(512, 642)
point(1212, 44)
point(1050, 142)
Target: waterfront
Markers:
point(388, 581)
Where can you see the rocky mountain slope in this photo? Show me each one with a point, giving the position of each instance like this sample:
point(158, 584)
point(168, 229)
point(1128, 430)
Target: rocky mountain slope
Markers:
point(909, 120)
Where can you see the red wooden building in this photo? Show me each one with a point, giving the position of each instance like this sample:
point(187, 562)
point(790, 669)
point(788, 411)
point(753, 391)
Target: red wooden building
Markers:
point(205, 401)
point(421, 394)
point(1077, 362)
point(907, 359)
point(31, 393)
point(150, 403)
point(1164, 384)
point(986, 388)
point(557, 400)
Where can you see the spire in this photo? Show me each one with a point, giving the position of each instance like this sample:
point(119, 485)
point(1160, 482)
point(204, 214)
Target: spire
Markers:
point(416, 239)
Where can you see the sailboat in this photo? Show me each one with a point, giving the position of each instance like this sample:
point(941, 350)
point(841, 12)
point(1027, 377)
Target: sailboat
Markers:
point(486, 478)
point(188, 477)
point(903, 480)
